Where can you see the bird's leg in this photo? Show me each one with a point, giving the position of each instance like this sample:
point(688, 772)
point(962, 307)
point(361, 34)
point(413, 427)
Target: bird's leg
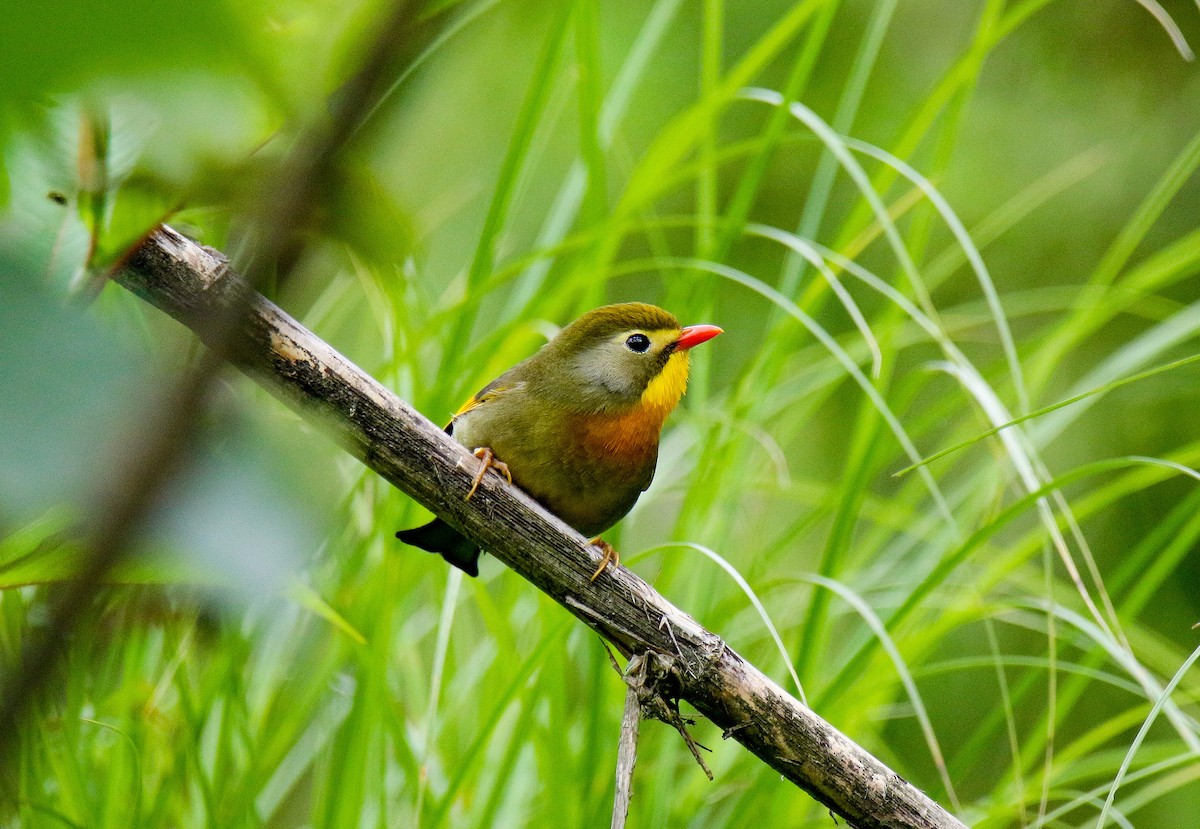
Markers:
point(609, 555)
point(487, 461)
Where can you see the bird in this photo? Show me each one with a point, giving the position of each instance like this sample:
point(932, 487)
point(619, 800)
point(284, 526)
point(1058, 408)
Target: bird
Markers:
point(576, 425)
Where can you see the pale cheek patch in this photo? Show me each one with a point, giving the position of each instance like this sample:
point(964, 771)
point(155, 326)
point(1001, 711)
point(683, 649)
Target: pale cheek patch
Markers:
point(601, 374)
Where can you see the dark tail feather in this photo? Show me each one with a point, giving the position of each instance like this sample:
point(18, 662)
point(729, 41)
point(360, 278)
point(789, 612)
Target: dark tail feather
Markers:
point(439, 537)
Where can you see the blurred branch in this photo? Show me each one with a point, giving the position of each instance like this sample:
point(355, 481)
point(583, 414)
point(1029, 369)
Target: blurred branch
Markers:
point(191, 283)
point(165, 431)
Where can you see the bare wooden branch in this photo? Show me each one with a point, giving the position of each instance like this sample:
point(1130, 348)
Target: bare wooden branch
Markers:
point(189, 281)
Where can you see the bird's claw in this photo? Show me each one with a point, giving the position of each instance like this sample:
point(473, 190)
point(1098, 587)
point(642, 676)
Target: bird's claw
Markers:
point(487, 461)
point(609, 555)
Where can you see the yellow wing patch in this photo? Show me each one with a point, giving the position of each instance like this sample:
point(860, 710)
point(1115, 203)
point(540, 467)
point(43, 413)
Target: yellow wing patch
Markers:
point(466, 407)
point(489, 392)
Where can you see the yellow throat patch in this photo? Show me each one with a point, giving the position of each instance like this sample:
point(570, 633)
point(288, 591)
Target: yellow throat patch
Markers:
point(662, 394)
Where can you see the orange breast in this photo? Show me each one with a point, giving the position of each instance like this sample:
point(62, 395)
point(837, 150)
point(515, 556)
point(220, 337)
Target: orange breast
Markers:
point(628, 437)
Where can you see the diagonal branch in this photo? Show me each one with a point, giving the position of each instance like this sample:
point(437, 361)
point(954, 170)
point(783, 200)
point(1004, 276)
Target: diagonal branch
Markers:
point(192, 283)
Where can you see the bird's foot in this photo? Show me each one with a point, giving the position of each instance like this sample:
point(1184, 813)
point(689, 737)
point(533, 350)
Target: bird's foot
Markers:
point(609, 555)
point(487, 461)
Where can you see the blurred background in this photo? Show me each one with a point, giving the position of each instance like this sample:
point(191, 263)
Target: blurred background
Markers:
point(970, 212)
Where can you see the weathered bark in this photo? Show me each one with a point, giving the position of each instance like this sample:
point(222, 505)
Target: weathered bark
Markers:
point(189, 281)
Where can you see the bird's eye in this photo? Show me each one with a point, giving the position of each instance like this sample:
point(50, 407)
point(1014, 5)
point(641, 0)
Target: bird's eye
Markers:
point(638, 343)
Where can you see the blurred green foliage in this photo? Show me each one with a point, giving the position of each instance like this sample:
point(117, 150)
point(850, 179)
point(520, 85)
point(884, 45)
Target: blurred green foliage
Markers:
point(271, 657)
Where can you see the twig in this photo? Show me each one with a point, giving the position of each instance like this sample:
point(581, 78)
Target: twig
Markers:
point(652, 692)
point(626, 757)
point(626, 750)
point(656, 680)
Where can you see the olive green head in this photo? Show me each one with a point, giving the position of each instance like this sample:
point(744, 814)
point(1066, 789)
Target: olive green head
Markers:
point(618, 356)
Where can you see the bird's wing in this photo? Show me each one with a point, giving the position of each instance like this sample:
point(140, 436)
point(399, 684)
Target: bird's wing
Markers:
point(492, 391)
